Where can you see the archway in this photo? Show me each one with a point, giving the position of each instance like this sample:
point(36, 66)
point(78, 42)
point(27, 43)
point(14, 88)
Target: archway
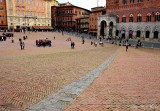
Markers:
point(111, 29)
point(102, 30)
point(138, 33)
point(155, 34)
point(147, 34)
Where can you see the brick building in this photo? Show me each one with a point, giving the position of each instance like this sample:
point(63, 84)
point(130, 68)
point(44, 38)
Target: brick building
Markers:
point(3, 15)
point(93, 19)
point(25, 14)
point(82, 24)
point(64, 16)
point(131, 18)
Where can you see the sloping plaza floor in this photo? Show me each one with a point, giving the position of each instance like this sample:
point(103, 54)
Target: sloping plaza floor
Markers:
point(30, 75)
point(130, 83)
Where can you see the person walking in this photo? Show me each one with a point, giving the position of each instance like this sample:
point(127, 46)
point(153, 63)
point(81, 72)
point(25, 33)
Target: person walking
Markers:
point(21, 45)
point(91, 42)
point(126, 46)
point(73, 45)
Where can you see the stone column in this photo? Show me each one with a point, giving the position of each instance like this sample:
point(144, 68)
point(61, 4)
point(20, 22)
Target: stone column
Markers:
point(127, 34)
point(114, 31)
point(98, 32)
point(134, 34)
point(107, 31)
point(143, 35)
point(151, 35)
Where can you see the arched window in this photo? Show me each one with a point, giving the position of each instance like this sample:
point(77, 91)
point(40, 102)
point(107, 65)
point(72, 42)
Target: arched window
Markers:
point(131, 1)
point(139, 18)
point(124, 18)
point(157, 17)
point(131, 18)
point(148, 17)
point(124, 1)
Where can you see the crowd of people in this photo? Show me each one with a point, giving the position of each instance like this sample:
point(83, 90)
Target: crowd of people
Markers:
point(47, 42)
point(43, 42)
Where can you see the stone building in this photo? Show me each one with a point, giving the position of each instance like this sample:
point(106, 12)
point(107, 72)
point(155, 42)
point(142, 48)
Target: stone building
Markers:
point(93, 19)
point(131, 19)
point(3, 15)
point(82, 24)
point(64, 16)
point(25, 14)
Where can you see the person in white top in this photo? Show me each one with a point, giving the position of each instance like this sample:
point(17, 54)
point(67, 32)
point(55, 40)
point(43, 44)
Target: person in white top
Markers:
point(126, 46)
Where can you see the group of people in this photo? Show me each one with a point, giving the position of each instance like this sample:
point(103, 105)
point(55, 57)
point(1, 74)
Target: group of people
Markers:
point(2, 38)
point(8, 34)
point(72, 45)
point(44, 42)
point(22, 44)
point(139, 44)
point(94, 43)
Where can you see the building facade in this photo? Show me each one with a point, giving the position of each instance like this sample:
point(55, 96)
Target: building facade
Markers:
point(24, 14)
point(93, 19)
point(82, 25)
point(64, 16)
point(134, 18)
point(3, 15)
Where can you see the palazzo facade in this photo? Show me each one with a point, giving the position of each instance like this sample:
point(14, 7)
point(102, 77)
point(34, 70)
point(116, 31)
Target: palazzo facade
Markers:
point(130, 19)
point(64, 16)
point(24, 14)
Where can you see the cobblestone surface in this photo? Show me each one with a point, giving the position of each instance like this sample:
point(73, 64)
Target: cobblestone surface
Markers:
point(130, 83)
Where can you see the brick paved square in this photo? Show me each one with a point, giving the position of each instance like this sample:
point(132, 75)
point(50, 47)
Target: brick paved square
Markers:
point(30, 75)
point(130, 83)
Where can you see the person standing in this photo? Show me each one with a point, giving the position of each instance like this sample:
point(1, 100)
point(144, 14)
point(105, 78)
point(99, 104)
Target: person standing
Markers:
point(126, 46)
point(73, 45)
point(83, 41)
point(21, 45)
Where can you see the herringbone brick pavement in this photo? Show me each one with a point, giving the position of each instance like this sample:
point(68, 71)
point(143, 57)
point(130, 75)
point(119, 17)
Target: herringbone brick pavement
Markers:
point(30, 75)
point(130, 83)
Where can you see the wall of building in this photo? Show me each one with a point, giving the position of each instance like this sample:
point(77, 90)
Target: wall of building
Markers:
point(64, 17)
point(148, 10)
point(82, 25)
point(3, 15)
point(93, 19)
point(25, 13)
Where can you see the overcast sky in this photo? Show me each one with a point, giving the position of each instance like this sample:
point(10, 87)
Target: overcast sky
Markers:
point(87, 4)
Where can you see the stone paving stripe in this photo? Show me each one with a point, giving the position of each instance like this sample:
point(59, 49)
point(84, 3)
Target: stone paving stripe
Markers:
point(59, 100)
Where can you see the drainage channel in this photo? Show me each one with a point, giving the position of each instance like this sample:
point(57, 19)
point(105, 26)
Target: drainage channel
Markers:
point(62, 98)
